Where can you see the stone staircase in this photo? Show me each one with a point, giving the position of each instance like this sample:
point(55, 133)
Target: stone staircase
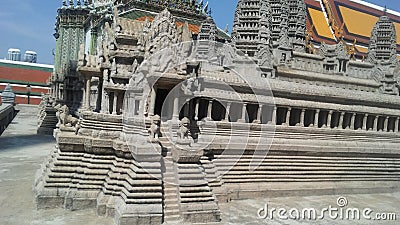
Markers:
point(170, 185)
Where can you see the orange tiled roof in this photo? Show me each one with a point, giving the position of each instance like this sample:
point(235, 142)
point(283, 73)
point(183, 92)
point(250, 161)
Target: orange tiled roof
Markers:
point(356, 19)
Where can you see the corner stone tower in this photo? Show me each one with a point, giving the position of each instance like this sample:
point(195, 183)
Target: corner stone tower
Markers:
point(382, 53)
point(70, 34)
point(382, 45)
point(256, 20)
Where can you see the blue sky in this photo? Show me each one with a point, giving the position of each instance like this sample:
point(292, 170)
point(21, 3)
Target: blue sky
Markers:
point(29, 24)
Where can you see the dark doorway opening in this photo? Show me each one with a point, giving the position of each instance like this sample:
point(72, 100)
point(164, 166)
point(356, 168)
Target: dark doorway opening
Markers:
point(160, 98)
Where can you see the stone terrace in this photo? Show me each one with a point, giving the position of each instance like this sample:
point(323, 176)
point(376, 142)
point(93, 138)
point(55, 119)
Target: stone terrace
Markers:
point(22, 152)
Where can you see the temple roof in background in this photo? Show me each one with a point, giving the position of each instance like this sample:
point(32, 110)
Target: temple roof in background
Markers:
point(352, 19)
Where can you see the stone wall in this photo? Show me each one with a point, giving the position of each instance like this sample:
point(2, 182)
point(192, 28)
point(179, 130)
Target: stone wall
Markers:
point(7, 113)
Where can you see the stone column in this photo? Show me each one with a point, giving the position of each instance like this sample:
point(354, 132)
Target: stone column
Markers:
point(341, 117)
point(105, 103)
point(385, 124)
point(396, 124)
point(259, 112)
point(375, 128)
point(352, 121)
point(114, 110)
point(287, 121)
point(273, 118)
point(365, 119)
point(88, 93)
point(152, 102)
point(316, 115)
point(303, 111)
point(209, 109)
point(243, 119)
point(175, 112)
point(227, 110)
point(196, 109)
point(329, 120)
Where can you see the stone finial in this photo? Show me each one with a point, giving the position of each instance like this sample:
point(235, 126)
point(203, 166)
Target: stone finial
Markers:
point(8, 96)
point(71, 3)
point(64, 3)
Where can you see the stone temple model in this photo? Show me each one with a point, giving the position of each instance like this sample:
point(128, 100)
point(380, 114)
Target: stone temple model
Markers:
point(176, 116)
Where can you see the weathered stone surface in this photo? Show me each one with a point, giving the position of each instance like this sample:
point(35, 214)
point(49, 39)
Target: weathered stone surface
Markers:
point(171, 124)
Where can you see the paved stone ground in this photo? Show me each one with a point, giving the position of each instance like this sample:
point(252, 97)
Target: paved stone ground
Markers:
point(22, 152)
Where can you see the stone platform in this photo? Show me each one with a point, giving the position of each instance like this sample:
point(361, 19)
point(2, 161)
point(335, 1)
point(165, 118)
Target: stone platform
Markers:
point(22, 152)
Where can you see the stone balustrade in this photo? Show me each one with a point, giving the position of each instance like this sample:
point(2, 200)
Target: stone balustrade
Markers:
point(281, 115)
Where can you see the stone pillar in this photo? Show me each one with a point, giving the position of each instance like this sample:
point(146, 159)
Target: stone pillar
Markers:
point(375, 128)
point(341, 117)
point(227, 110)
point(105, 103)
point(273, 119)
point(209, 109)
point(87, 92)
point(196, 110)
point(243, 119)
point(329, 120)
point(396, 124)
point(114, 110)
point(303, 111)
point(287, 121)
point(365, 119)
point(385, 124)
point(352, 121)
point(152, 102)
point(175, 112)
point(259, 112)
point(316, 115)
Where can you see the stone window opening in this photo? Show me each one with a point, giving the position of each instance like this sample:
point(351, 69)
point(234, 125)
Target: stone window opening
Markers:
point(308, 118)
point(335, 119)
point(381, 121)
point(323, 117)
point(203, 108)
point(370, 122)
point(294, 117)
point(218, 111)
point(391, 124)
point(252, 111)
point(266, 114)
point(235, 112)
point(358, 122)
point(111, 102)
point(346, 120)
point(281, 115)
point(137, 105)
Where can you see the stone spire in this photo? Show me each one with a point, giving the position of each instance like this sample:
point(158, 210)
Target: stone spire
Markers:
point(297, 24)
point(245, 31)
point(208, 30)
point(264, 52)
point(284, 26)
point(276, 8)
point(382, 45)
